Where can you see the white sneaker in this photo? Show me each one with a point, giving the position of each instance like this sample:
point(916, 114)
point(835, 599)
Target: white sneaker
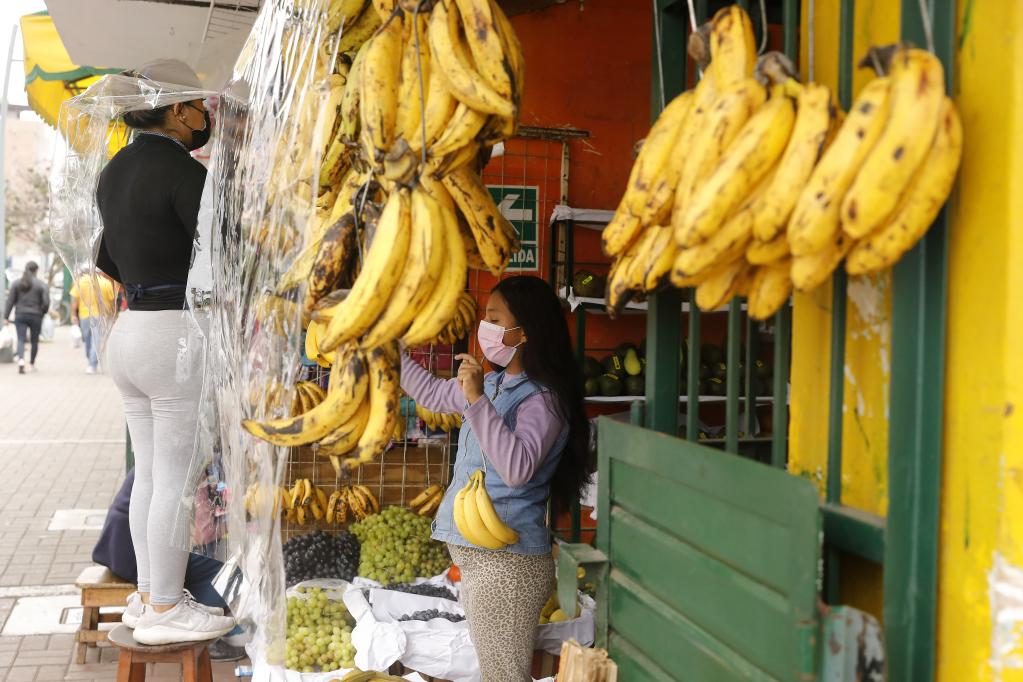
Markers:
point(212, 610)
point(90, 370)
point(134, 612)
point(186, 622)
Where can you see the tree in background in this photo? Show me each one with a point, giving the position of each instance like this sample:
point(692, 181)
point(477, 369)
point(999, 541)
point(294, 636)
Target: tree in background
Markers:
point(27, 218)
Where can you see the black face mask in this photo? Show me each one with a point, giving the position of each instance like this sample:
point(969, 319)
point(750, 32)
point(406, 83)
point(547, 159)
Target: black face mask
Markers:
point(201, 136)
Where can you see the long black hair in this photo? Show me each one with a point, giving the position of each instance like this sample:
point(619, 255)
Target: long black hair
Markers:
point(27, 277)
point(548, 360)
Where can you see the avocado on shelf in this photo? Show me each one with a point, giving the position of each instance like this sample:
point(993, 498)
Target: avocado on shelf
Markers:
point(705, 371)
point(614, 364)
point(718, 370)
point(592, 368)
point(592, 386)
point(611, 385)
point(642, 349)
point(711, 354)
point(716, 386)
point(635, 385)
point(633, 367)
point(588, 285)
point(763, 370)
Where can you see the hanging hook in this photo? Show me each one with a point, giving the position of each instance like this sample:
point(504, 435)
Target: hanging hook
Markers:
point(660, 57)
point(925, 17)
point(763, 26)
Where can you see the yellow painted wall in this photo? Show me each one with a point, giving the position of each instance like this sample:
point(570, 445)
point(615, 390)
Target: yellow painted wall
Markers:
point(868, 320)
point(980, 626)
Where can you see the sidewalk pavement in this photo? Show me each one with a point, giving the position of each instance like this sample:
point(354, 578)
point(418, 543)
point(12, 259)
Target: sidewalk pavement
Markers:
point(61, 448)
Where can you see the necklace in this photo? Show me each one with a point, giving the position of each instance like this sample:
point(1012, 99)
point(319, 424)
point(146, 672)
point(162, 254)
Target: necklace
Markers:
point(165, 136)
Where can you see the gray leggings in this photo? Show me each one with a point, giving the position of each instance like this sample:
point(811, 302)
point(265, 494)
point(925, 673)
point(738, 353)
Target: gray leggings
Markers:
point(162, 413)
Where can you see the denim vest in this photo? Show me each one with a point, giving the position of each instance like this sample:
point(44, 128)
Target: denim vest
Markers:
point(524, 509)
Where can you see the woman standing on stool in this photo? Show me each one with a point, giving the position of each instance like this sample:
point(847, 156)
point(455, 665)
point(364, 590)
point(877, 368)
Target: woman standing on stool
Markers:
point(526, 427)
point(148, 197)
point(30, 301)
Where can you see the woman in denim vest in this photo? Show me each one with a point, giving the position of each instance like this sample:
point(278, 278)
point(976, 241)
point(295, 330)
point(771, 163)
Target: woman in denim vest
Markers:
point(525, 426)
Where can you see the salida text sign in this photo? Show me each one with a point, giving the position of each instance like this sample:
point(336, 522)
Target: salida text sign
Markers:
point(521, 206)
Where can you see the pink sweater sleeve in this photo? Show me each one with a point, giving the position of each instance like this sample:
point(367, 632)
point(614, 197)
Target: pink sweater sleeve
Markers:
point(436, 395)
point(516, 455)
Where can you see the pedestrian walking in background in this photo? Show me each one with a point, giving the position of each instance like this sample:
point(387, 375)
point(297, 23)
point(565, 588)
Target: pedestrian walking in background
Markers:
point(91, 299)
point(30, 301)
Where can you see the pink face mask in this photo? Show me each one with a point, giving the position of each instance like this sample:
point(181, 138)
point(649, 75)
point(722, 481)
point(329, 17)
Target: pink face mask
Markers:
point(491, 338)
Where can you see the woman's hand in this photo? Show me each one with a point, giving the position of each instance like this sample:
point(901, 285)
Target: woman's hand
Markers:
point(470, 377)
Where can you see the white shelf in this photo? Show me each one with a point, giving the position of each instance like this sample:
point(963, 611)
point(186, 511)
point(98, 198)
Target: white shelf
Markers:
point(600, 304)
point(590, 218)
point(764, 399)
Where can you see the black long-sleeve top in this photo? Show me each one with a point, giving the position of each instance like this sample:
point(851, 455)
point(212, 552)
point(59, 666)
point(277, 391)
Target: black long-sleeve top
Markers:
point(148, 196)
point(35, 301)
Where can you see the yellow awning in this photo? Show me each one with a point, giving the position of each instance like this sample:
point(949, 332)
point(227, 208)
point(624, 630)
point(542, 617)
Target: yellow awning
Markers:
point(50, 75)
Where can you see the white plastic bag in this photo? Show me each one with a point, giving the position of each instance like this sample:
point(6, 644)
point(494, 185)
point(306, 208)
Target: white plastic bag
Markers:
point(6, 337)
point(46, 334)
point(550, 636)
point(76, 336)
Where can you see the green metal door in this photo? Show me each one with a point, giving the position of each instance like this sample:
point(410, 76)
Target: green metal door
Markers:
point(713, 562)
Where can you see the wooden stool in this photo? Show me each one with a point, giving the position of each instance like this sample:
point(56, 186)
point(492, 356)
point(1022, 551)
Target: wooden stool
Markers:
point(99, 588)
point(194, 657)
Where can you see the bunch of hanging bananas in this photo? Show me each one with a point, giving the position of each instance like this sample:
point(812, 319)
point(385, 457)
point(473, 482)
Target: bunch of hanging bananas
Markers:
point(307, 501)
point(437, 421)
point(427, 502)
point(357, 417)
point(256, 497)
point(402, 211)
point(461, 324)
point(753, 182)
point(476, 518)
point(351, 501)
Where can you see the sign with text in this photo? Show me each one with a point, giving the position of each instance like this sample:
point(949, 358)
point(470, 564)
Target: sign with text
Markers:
point(521, 206)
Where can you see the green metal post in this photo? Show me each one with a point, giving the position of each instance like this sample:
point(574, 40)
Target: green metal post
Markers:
point(790, 29)
point(838, 313)
point(915, 427)
point(693, 371)
point(780, 408)
point(747, 376)
point(732, 376)
point(664, 318)
point(663, 327)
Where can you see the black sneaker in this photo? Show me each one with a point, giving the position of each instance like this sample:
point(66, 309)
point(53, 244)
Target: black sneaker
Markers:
point(222, 651)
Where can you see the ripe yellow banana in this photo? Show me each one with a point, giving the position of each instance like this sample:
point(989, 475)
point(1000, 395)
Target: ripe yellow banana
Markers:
point(374, 503)
point(770, 289)
point(811, 270)
point(921, 203)
point(342, 12)
point(491, 520)
point(917, 96)
point(331, 512)
point(380, 273)
point(718, 128)
point(424, 496)
point(721, 286)
point(465, 124)
point(348, 387)
point(442, 304)
point(472, 526)
point(620, 233)
point(814, 114)
point(618, 292)
point(413, 63)
point(379, 81)
point(384, 398)
point(440, 106)
point(481, 34)
point(732, 46)
point(765, 253)
point(359, 31)
point(384, 8)
point(489, 226)
point(332, 164)
point(452, 57)
point(635, 277)
point(423, 268)
point(744, 164)
point(815, 218)
point(655, 171)
point(512, 50)
point(345, 437)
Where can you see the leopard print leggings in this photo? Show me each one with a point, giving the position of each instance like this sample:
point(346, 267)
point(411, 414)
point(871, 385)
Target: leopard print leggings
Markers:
point(503, 594)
